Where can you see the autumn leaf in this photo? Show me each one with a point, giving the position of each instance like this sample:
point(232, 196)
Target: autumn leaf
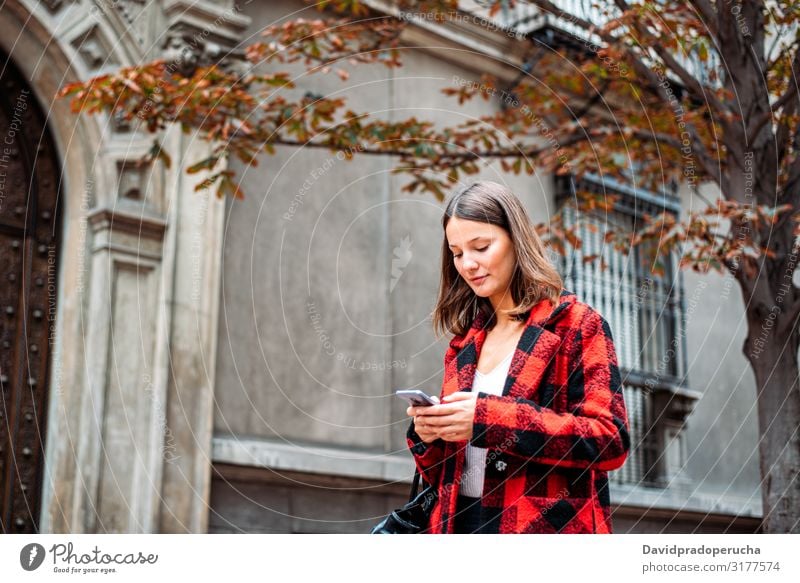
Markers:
point(206, 164)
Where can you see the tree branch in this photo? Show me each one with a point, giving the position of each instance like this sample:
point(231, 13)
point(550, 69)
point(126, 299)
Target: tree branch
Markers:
point(790, 318)
point(471, 154)
point(703, 158)
point(790, 93)
point(646, 74)
point(689, 81)
point(708, 13)
point(782, 137)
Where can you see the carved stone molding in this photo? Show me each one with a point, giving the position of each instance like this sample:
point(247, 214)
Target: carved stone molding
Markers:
point(224, 25)
point(132, 181)
point(95, 49)
point(148, 227)
point(672, 405)
point(55, 5)
point(201, 33)
point(132, 12)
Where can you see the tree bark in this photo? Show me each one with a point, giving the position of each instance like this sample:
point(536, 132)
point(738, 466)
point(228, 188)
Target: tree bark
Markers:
point(773, 357)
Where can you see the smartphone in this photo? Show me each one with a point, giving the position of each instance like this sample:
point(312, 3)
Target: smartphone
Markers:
point(417, 398)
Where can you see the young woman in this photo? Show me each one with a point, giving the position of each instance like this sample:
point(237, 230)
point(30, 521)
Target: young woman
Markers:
point(532, 415)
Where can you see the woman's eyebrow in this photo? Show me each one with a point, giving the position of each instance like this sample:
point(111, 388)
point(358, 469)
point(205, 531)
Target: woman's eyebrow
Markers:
point(471, 240)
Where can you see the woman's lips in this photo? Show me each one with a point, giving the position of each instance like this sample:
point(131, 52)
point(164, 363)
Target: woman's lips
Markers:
point(479, 279)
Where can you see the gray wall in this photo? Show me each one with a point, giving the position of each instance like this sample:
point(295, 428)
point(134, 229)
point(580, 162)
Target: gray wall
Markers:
point(722, 432)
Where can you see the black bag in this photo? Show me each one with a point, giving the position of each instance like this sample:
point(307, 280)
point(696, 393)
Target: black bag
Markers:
point(414, 517)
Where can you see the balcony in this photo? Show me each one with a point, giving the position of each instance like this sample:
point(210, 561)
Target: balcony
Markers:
point(526, 19)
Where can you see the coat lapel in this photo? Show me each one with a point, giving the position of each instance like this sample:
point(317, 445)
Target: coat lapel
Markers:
point(535, 349)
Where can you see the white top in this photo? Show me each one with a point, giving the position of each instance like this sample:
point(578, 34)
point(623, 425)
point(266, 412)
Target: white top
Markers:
point(492, 383)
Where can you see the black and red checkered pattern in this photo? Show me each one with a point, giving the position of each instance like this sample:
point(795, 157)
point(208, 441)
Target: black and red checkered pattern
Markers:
point(559, 426)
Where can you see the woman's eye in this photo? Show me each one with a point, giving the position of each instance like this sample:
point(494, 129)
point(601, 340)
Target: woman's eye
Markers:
point(457, 255)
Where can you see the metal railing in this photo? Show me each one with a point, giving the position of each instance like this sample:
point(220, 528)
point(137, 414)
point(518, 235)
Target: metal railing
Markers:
point(644, 310)
point(638, 467)
point(526, 18)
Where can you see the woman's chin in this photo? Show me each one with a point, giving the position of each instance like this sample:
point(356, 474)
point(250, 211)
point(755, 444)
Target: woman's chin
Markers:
point(482, 292)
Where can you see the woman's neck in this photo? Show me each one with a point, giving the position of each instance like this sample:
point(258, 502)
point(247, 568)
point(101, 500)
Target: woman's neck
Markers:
point(503, 322)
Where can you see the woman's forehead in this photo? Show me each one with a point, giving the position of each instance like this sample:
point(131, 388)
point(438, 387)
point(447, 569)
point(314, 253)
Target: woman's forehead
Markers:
point(460, 231)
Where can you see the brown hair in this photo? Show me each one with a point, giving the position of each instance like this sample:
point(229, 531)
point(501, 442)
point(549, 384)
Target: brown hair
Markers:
point(534, 278)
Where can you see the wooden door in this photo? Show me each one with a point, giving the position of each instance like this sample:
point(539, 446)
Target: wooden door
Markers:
point(29, 187)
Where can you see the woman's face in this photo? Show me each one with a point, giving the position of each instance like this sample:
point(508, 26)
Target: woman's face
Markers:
point(484, 256)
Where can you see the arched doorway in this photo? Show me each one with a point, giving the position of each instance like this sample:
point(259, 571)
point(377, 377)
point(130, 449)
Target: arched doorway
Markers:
point(29, 237)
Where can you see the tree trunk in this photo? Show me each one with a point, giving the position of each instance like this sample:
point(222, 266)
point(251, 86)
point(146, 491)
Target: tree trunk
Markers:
point(773, 357)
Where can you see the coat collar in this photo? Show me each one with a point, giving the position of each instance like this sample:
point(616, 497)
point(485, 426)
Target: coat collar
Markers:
point(536, 347)
point(541, 313)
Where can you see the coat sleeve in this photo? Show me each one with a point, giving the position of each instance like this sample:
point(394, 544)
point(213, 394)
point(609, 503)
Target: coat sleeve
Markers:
point(429, 457)
point(593, 433)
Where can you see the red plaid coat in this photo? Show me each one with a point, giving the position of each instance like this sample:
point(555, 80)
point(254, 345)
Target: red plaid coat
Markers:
point(558, 427)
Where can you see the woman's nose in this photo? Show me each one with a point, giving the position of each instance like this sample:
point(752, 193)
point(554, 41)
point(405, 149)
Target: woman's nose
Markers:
point(469, 263)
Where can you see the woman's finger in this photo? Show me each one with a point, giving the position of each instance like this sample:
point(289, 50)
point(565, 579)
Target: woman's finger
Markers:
point(459, 396)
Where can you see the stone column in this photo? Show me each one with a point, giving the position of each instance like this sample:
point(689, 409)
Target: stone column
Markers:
point(193, 256)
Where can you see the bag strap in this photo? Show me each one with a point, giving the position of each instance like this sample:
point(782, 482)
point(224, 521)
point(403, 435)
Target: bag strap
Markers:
point(415, 484)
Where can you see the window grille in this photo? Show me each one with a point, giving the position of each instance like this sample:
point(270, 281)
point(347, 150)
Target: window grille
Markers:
point(644, 309)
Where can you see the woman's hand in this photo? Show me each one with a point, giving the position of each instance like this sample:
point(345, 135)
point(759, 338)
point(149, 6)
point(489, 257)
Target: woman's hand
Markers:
point(428, 433)
point(450, 421)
